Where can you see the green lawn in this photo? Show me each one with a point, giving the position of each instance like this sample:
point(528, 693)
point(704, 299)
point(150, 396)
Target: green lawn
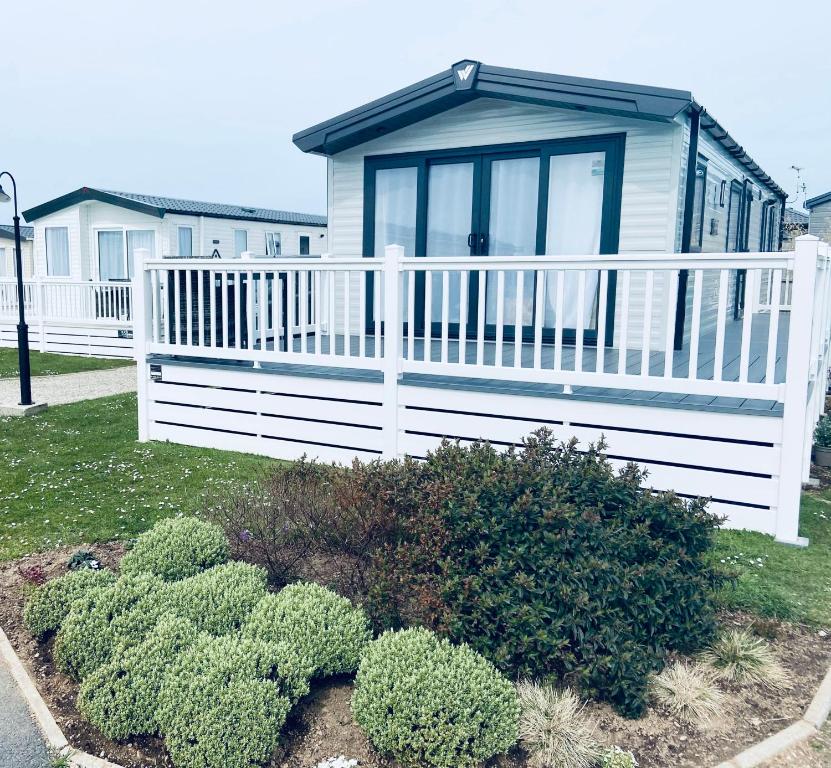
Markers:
point(75, 473)
point(48, 364)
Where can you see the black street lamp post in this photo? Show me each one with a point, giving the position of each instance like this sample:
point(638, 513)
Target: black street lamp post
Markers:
point(22, 328)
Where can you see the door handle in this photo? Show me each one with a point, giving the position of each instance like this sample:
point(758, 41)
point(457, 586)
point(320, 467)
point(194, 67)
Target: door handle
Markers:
point(471, 240)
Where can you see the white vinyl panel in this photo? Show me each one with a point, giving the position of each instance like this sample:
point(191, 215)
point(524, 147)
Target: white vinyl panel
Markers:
point(445, 313)
point(747, 324)
point(773, 327)
point(464, 278)
point(602, 309)
point(695, 329)
point(721, 321)
point(624, 314)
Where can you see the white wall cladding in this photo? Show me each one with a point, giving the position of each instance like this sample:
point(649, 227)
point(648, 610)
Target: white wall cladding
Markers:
point(732, 458)
point(91, 340)
point(84, 219)
point(819, 223)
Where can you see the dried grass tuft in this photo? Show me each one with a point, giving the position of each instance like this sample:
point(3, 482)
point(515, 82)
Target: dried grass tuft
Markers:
point(554, 729)
point(689, 692)
point(740, 657)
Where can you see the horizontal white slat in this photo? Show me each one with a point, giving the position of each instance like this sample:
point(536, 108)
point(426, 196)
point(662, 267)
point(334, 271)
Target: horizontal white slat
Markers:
point(306, 406)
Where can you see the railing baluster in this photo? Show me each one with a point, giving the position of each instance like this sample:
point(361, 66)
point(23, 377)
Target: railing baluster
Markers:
point(773, 328)
point(200, 303)
point(411, 278)
point(226, 321)
point(178, 308)
point(624, 322)
point(500, 316)
point(189, 305)
point(558, 320)
point(238, 312)
point(347, 311)
point(154, 295)
point(212, 305)
point(376, 312)
point(304, 311)
point(518, 311)
point(362, 314)
point(539, 316)
point(480, 317)
point(292, 290)
point(317, 307)
point(445, 313)
point(671, 317)
point(428, 316)
point(695, 329)
point(333, 339)
point(463, 288)
point(250, 302)
point(602, 309)
point(646, 335)
point(263, 323)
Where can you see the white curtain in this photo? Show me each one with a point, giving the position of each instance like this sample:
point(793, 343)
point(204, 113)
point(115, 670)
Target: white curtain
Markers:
point(57, 251)
point(139, 238)
point(513, 230)
point(111, 256)
point(240, 242)
point(3, 269)
point(185, 242)
point(575, 211)
point(449, 205)
point(395, 209)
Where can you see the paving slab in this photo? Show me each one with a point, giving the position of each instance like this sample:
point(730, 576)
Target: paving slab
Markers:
point(21, 743)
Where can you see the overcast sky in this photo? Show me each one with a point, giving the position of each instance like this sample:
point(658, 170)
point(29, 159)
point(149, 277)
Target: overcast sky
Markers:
point(200, 99)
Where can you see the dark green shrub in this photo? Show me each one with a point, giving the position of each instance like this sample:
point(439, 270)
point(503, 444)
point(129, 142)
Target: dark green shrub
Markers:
point(176, 548)
point(49, 604)
point(551, 564)
point(822, 433)
point(120, 697)
point(107, 619)
point(224, 700)
point(427, 702)
point(219, 600)
point(321, 626)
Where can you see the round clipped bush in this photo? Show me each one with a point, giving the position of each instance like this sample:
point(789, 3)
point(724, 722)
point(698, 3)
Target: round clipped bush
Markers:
point(224, 700)
point(428, 702)
point(176, 548)
point(106, 619)
point(120, 697)
point(321, 625)
point(219, 600)
point(49, 604)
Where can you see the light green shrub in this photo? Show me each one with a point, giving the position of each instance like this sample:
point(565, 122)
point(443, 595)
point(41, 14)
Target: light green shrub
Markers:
point(106, 619)
point(120, 697)
point(176, 548)
point(224, 700)
point(428, 702)
point(615, 757)
point(49, 604)
point(319, 624)
point(219, 600)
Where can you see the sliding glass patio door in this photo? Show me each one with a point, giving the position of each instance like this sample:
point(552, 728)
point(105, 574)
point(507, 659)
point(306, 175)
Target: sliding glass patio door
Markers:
point(559, 197)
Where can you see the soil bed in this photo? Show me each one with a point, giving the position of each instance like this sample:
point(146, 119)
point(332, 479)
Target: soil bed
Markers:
point(322, 725)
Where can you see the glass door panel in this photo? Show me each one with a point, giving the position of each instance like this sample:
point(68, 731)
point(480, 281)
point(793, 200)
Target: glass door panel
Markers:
point(395, 209)
point(111, 264)
point(449, 225)
point(512, 231)
point(575, 213)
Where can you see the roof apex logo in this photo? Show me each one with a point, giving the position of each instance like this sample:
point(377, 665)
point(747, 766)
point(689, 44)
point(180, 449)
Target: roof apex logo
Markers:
point(464, 73)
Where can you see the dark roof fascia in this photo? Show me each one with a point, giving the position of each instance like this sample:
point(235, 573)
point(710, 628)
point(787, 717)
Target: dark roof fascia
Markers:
point(85, 194)
point(440, 92)
point(736, 150)
point(818, 200)
point(260, 219)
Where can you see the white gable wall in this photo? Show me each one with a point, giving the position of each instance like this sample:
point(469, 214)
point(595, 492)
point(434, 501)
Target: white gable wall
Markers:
point(820, 221)
point(650, 176)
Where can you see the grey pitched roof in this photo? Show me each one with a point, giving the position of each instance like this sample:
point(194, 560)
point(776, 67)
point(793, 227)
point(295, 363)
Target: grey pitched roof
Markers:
point(7, 232)
point(156, 205)
point(818, 200)
point(793, 216)
point(467, 80)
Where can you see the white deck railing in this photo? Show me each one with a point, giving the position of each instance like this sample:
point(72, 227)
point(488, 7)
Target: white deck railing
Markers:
point(69, 302)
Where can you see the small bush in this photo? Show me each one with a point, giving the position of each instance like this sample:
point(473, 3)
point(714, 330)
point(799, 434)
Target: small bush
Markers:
point(49, 604)
point(739, 657)
point(822, 433)
point(553, 728)
point(176, 548)
point(428, 702)
point(107, 618)
point(120, 697)
point(219, 600)
point(688, 692)
point(224, 700)
point(276, 521)
point(615, 757)
point(83, 558)
point(322, 626)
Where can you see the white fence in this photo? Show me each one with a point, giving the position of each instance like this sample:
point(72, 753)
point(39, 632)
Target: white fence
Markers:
point(574, 322)
point(82, 318)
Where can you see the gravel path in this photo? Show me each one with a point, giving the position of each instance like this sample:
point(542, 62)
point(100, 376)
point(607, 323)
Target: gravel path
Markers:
point(21, 744)
point(72, 387)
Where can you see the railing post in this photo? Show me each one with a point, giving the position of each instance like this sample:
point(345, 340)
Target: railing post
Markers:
point(392, 347)
point(795, 415)
point(141, 324)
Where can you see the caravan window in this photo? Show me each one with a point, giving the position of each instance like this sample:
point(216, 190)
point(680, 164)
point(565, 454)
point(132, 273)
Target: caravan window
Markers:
point(240, 242)
point(272, 244)
point(186, 241)
point(57, 251)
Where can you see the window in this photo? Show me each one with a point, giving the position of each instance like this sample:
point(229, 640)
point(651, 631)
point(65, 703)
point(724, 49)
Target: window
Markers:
point(240, 242)
point(139, 238)
point(733, 240)
point(304, 245)
point(272, 244)
point(111, 262)
point(57, 251)
point(186, 241)
point(697, 234)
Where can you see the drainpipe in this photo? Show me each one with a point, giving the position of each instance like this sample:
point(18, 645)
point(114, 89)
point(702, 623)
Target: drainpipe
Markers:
point(686, 226)
point(781, 223)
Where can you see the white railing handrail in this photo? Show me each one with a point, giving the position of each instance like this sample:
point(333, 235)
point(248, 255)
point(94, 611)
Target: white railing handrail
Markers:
point(356, 263)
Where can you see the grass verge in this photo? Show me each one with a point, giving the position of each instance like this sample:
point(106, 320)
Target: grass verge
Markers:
point(75, 473)
point(48, 364)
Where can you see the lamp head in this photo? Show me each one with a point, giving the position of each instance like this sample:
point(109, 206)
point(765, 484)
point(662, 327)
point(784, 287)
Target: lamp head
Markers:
point(4, 198)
